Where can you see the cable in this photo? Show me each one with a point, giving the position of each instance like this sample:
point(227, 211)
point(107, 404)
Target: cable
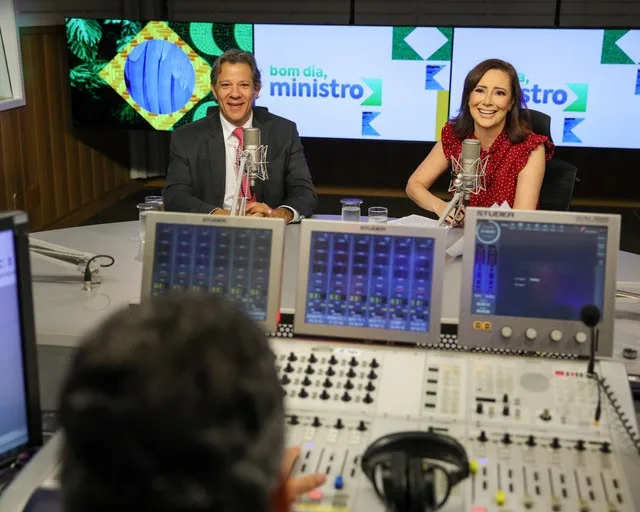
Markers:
point(87, 268)
point(626, 424)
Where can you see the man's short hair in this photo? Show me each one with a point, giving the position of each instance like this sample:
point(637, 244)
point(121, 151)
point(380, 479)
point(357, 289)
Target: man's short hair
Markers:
point(236, 56)
point(174, 405)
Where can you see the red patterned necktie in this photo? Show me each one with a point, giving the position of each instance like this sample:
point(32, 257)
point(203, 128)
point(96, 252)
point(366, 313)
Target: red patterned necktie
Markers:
point(245, 189)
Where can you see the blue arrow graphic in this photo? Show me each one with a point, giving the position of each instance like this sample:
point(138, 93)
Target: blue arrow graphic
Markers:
point(430, 83)
point(638, 83)
point(367, 129)
point(569, 124)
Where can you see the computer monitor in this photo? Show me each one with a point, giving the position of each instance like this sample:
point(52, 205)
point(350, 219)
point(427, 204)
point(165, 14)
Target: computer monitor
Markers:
point(20, 423)
point(239, 258)
point(370, 281)
point(527, 275)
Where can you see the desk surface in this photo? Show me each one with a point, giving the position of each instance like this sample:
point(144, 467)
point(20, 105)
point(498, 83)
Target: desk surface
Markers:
point(64, 311)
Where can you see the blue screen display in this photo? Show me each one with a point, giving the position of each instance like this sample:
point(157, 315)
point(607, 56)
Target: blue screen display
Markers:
point(538, 270)
point(231, 262)
point(374, 281)
point(13, 403)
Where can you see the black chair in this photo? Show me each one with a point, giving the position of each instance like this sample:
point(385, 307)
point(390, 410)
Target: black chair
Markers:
point(559, 176)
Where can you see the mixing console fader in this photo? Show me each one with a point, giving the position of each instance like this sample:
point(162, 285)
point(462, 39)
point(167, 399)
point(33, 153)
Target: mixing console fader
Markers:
point(527, 425)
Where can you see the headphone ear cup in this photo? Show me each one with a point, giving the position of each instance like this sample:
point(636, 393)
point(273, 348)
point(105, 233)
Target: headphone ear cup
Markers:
point(394, 483)
point(421, 487)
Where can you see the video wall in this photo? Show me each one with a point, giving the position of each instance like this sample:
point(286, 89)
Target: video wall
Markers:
point(354, 82)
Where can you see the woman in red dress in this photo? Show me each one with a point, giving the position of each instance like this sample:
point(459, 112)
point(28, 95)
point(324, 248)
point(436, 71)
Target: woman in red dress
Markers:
point(493, 112)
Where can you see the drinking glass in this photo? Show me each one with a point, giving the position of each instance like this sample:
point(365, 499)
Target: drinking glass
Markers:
point(351, 209)
point(159, 200)
point(143, 209)
point(378, 214)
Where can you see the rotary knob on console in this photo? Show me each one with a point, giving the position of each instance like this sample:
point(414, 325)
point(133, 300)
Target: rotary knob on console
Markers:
point(581, 337)
point(370, 387)
point(531, 441)
point(351, 374)
point(362, 426)
point(309, 370)
point(294, 420)
point(285, 380)
point(546, 415)
point(327, 383)
point(330, 371)
point(333, 360)
point(506, 331)
point(346, 397)
point(288, 368)
point(316, 422)
point(555, 335)
point(605, 447)
point(555, 443)
point(580, 445)
point(303, 393)
point(353, 362)
point(306, 381)
point(313, 358)
point(292, 357)
point(483, 437)
point(348, 385)
point(367, 399)
point(531, 334)
point(339, 424)
point(506, 438)
point(374, 363)
point(324, 395)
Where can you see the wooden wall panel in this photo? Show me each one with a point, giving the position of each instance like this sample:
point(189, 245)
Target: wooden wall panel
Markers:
point(45, 168)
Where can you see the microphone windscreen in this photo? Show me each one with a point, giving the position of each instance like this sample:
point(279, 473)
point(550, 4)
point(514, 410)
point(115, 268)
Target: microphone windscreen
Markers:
point(590, 315)
point(251, 137)
point(470, 149)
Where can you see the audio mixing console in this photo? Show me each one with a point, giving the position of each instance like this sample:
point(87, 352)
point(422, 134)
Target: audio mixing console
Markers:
point(527, 424)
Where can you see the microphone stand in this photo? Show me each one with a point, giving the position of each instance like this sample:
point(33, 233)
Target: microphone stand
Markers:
point(463, 184)
point(252, 165)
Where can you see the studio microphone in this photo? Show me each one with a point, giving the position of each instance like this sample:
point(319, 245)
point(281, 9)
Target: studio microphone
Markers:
point(467, 177)
point(469, 160)
point(251, 140)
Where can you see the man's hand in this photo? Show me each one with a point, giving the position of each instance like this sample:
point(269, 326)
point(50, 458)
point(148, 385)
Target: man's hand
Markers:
point(298, 486)
point(258, 210)
point(220, 211)
point(264, 210)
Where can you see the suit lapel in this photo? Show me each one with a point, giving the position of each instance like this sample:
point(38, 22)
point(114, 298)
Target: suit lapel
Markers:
point(215, 148)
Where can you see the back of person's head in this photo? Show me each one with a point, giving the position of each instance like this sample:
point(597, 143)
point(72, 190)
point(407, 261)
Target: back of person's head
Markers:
point(174, 405)
point(516, 124)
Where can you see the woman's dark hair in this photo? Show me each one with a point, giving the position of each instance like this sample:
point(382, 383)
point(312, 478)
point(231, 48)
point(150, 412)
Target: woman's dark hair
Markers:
point(517, 123)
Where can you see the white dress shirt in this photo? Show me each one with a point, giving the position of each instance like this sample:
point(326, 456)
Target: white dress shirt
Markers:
point(231, 144)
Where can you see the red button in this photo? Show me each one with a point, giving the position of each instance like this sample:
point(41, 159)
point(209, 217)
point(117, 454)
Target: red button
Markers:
point(317, 495)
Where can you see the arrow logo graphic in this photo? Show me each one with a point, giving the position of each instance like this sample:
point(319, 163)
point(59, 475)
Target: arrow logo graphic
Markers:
point(580, 104)
point(375, 99)
point(569, 124)
point(367, 118)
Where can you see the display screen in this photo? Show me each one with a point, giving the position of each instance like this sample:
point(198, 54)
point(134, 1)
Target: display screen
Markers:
point(350, 82)
point(230, 262)
point(13, 404)
point(538, 269)
point(589, 95)
point(332, 81)
point(366, 280)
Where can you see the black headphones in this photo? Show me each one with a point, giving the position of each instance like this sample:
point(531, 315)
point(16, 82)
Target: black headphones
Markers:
point(408, 481)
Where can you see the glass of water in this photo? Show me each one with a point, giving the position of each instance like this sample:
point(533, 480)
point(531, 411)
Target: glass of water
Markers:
point(159, 200)
point(143, 209)
point(351, 209)
point(378, 215)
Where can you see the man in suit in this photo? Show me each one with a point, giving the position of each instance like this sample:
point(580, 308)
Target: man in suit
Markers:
point(202, 168)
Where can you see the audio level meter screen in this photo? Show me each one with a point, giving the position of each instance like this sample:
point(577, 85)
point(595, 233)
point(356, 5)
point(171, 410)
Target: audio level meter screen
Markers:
point(375, 281)
point(538, 270)
point(230, 262)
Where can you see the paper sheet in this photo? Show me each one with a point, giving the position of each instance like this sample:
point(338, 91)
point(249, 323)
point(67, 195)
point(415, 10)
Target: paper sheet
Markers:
point(415, 220)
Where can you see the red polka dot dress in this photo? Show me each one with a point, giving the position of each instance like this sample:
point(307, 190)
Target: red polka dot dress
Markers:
point(506, 160)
